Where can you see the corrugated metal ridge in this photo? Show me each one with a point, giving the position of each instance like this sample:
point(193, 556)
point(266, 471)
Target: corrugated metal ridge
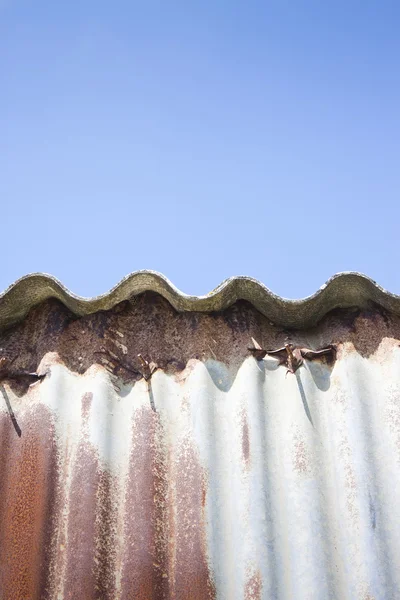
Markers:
point(341, 291)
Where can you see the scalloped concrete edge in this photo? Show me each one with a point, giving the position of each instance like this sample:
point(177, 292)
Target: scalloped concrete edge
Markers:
point(343, 290)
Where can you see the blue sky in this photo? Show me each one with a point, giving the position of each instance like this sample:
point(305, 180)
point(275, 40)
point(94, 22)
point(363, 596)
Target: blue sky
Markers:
point(200, 139)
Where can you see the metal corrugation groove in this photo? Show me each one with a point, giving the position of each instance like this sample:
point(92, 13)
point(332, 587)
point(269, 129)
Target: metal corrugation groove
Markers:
point(203, 469)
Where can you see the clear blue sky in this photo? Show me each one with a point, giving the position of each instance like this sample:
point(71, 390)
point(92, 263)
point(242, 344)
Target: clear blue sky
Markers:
point(200, 139)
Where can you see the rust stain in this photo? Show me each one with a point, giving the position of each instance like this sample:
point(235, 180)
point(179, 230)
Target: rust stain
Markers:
point(87, 399)
point(172, 501)
point(350, 481)
point(301, 458)
point(90, 552)
point(83, 558)
point(105, 559)
point(253, 588)
point(203, 495)
point(79, 579)
point(245, 439)
point(339, 396)
point(370, 327)
point(392, 414)
point(145, 560)
point(193, 579)
point(28, 482)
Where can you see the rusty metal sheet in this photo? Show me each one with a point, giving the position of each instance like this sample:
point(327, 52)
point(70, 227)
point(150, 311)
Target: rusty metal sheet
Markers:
point(218, 475)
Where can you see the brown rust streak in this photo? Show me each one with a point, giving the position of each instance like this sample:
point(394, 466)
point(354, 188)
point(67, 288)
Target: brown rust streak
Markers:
point(88, 547)
point(87, 399)
point(245, 439)
point(145, 561)
point(52, 511)
point(193, 579)
point(80, 579)
point(165, 549)
point(92, 523)
point(91, 530)
point(106, 536)
point(28, 483)
point(253, 587)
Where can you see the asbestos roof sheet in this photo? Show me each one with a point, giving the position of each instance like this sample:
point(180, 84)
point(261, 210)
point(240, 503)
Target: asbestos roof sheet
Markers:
point(155, 445)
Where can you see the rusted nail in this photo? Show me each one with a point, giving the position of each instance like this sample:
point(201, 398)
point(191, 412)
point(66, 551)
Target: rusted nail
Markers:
point(287, 355)
point(147, 371)
point(256, 350)
point(6, 372)
point(289, 351)
point(329, 351)
point(22, 375)
point(147, 368)
point(292, 356)
point(11, 412)
point(294, 359)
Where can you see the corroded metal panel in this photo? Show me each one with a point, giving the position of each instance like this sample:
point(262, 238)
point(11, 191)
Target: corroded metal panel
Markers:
point(218, 474)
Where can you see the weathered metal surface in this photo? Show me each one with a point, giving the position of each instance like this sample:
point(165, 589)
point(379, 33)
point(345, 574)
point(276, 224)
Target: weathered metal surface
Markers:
point(219, 477)
point(343, 290)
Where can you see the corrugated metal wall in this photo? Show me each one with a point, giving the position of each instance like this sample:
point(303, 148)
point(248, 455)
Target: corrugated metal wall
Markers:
point(221, 476)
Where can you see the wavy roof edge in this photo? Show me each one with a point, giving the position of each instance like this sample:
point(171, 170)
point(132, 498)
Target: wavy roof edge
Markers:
point(343, 290)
